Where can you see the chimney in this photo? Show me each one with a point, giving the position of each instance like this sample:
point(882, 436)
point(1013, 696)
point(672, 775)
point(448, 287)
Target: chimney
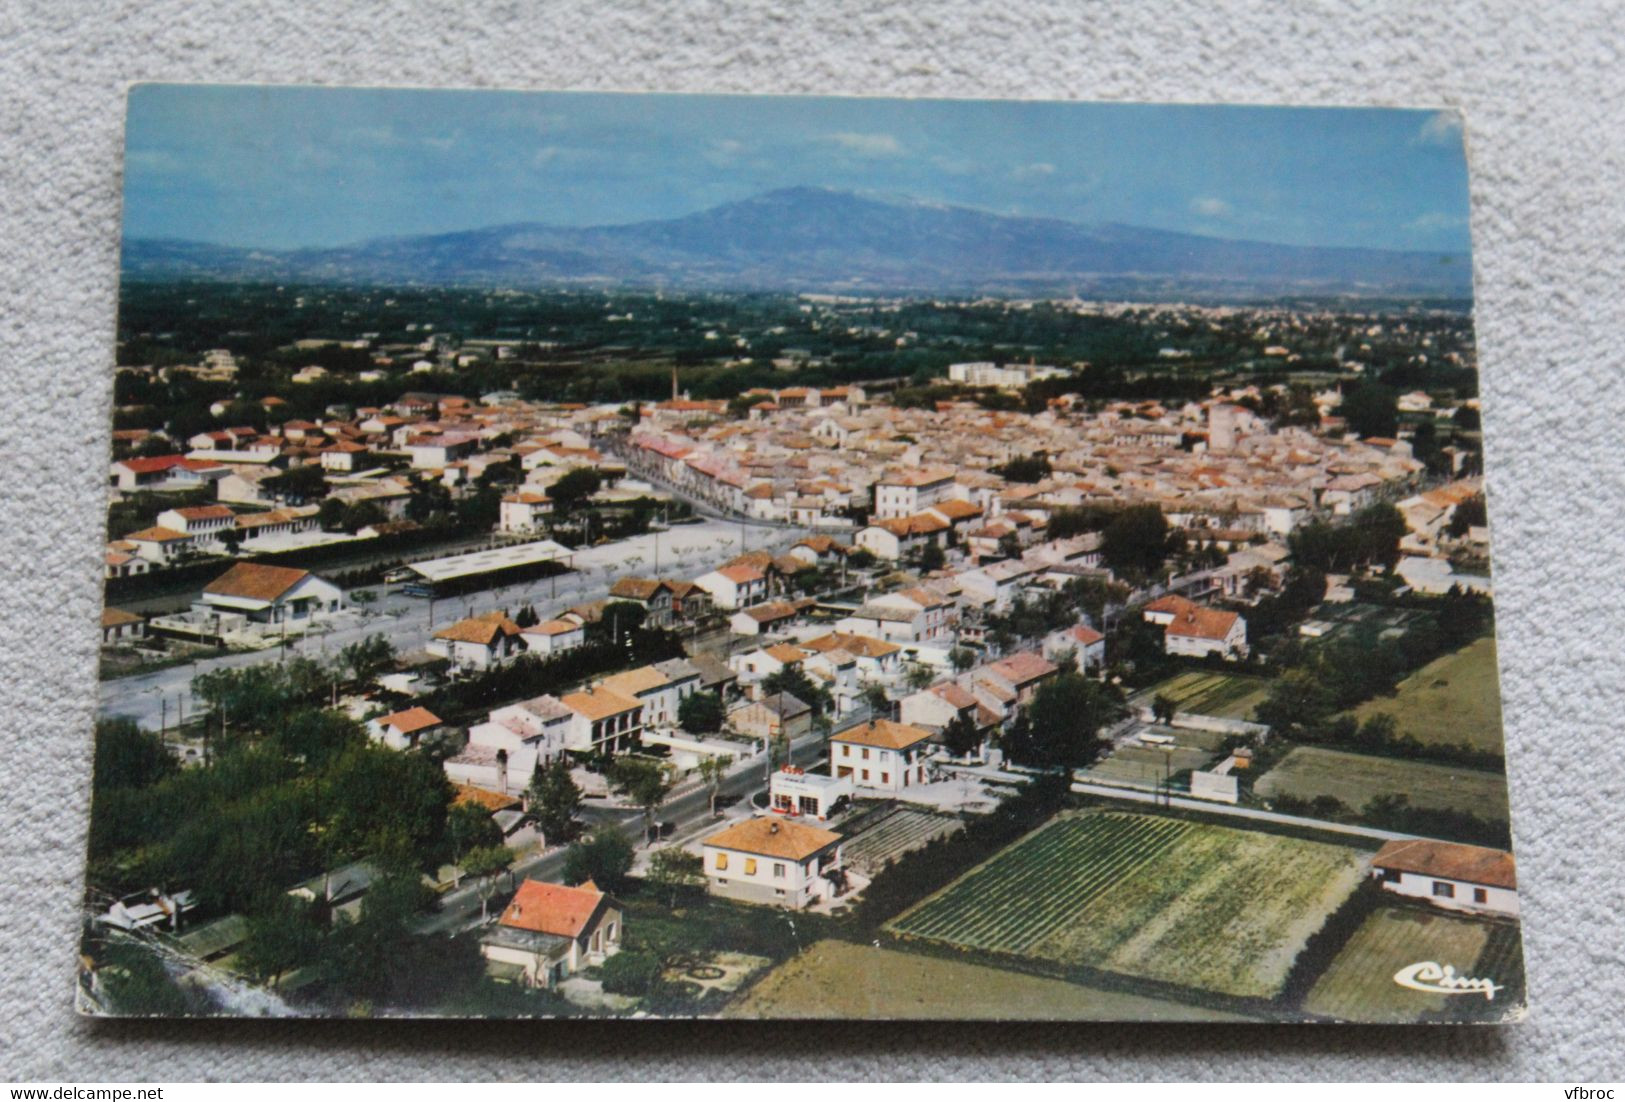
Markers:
point(772, 828)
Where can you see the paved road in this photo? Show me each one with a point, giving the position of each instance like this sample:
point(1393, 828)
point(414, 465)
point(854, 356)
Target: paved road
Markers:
point(690, 815)
point(1231, 810)
point(684, 550)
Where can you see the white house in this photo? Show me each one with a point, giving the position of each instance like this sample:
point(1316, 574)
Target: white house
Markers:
point(881, 756)
point(270, 594)
point(553, 636)
point(732, 587)
point(478, 643)
point(1450, 875)
point(794, 791)
point(905, 493)
point(1195, 630)
point(1087, 645)
point(503, 752)
point(523, 511)
point(405, 730)
point(775, 861)
point(551, 931)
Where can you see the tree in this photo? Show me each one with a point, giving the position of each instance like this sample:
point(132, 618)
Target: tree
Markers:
point(331, 514)
point(128, 757)
point(1163, 708)
point(1371, 409)
point(573, 487)
point(366, 658)
point(712, 770)
point(645, 783)
point(555, 800)
point(794, 680)
point(605, 859)
point(1135, 542)
point(1063, 723)
point(674, 869)
point(1026, 468)
point(962, 658)
point(919, 676)
point(469, 827)
point(279, 938)
point(1299, 700)
point(960, 736)
point(1468, 514)
point(875, 696)
point(932, 557)
point(485, 864)
point(298, 484)
point(631, 972)
point(700, 713)
point(861, 559)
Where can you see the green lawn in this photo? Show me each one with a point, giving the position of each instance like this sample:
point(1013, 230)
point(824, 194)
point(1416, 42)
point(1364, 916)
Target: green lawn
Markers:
point(1199, 905)
point(1228, 695)
point(1453, 699)
point(1311, 771)
point(836, 979)
point(1359, 985)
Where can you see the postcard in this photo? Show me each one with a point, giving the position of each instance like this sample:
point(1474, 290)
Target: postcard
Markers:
point(611, 555)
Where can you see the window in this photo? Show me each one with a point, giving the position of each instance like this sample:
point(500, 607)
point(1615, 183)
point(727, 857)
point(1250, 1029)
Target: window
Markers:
point(846, 751)
point(750, 866)
point(1480, 895)
point(778, 870)
point(1443, 889)
point(865, 774)
point(722, 861)
point(865, 753)
point(778, 891)
point(885, 778)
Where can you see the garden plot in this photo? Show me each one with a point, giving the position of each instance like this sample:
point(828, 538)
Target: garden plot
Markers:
point(1193, 904)
point(903, 831)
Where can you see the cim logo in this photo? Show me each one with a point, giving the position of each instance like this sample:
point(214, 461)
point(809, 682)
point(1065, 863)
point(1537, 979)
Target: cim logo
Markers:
point(1441, 979)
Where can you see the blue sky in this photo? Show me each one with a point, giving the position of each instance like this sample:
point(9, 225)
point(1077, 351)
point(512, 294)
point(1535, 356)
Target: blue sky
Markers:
point(288, 166)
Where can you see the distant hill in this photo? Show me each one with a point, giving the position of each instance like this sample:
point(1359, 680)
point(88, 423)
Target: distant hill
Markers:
point(814, 239)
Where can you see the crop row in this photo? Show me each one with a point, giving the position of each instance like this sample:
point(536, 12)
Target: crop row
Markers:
point(1019, 898)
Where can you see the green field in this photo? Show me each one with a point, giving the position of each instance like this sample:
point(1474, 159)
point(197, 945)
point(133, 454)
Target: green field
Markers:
point(1311, 771)
point(1456, 698)
point(1359, 985)
point(1231, 696)
point(1193, 904)
point(836, 979)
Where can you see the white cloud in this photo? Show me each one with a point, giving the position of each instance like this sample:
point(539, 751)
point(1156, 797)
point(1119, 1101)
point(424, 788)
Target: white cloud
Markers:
point(1036, 170)
point(1209, 206)
point(867, 145)
point(1442, 128)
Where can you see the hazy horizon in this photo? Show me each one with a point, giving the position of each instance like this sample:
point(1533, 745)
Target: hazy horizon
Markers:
point(287, 167)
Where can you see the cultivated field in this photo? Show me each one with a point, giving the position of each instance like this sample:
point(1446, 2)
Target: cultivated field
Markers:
point(1197, 905)
point(902, 832)
point(1231, 696)
point(1311, 771)
point(1359, 985)
point(836, 979)
point(1146, 766)
point(1455, 698)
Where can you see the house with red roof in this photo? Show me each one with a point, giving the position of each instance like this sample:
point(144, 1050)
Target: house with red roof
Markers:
point(1451, 875)
point(551, 931)
point(1196, 631)
point(732, 587)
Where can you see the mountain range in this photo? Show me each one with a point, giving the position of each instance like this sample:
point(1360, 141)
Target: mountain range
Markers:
point(816, 239)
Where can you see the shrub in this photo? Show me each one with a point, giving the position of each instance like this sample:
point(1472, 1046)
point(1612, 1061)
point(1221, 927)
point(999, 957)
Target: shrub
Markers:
point(631, 973)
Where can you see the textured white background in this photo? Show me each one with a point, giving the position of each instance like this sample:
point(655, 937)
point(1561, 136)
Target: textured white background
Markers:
point(1542, 92)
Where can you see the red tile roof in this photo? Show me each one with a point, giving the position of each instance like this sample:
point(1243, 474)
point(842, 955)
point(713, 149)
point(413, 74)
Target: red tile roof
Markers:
point(555, 909)
point(1449, 861)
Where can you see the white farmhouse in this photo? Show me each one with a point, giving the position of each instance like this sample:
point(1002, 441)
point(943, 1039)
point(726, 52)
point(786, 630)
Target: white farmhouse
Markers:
point(774, 861)
point(1451, 875)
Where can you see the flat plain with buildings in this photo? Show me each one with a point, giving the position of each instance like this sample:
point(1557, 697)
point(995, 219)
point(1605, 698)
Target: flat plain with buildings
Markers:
point(604, 648)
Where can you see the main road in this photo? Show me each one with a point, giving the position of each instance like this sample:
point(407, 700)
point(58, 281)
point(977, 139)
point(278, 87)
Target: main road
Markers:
point(689, 815)
point(685, 550)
